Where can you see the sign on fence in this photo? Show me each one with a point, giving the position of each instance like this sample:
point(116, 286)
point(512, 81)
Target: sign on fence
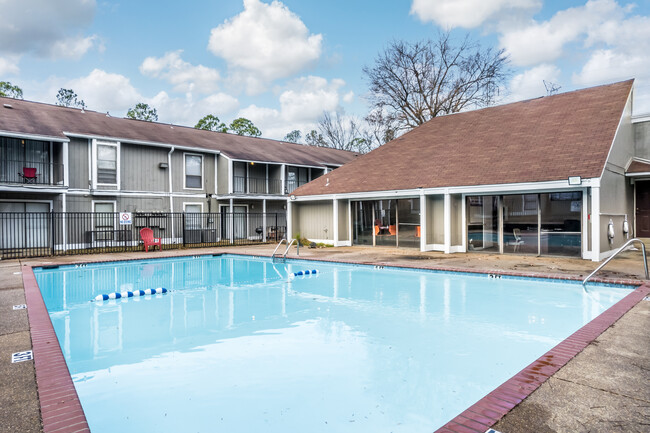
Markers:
point(125, 218)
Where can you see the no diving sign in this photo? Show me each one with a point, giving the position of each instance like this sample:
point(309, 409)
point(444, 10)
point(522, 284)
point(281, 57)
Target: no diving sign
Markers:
point(125, 218)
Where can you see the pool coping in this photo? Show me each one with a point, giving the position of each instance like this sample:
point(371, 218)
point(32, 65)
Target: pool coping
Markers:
point(61, 409)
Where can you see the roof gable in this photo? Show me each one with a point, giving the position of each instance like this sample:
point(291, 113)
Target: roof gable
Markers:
point(537, 140)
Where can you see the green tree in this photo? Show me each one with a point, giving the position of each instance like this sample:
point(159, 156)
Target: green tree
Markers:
point(9, 90)
point(293, 137)
point(313, 138)
point(68, 98)
point(242, 126)
point(142, 111)
point(211, 123)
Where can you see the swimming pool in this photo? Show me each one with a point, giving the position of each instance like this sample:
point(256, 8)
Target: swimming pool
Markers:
point(237, 345)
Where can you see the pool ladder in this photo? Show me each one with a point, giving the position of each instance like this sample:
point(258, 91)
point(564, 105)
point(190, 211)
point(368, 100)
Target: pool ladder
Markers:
point(620, 250)
point(277, 255)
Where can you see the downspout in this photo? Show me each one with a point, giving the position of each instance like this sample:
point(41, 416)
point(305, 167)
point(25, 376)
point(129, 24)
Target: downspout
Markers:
point(171, 198)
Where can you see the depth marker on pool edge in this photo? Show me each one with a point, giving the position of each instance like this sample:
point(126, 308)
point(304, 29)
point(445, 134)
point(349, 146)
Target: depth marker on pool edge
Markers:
point(27, 355)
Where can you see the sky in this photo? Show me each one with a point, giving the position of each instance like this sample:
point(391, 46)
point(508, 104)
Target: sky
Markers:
point(281, 64)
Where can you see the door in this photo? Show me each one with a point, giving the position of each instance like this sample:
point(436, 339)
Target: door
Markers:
point(25, 225)
point(238, 221)
point(643, 209)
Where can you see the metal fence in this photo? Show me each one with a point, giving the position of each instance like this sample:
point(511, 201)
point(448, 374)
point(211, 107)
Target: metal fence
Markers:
point(59, 233)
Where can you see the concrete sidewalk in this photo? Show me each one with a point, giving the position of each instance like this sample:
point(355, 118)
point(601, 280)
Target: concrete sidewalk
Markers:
point(604, 388)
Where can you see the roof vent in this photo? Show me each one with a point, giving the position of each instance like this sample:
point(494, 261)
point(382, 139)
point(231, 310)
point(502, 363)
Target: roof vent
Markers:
point(108, 114)
point(8, 106)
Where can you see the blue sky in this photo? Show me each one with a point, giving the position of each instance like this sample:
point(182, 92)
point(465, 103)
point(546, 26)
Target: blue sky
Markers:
point(281, 64)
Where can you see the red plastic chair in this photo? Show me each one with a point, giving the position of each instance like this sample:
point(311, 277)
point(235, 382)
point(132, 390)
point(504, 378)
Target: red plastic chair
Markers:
point(146, 234)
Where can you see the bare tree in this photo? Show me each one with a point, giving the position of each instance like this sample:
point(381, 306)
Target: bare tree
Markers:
point(338, 132)
point(419, 81)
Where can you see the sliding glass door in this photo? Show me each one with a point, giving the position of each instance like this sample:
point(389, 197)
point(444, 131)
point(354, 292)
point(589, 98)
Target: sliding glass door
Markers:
point(538, 224)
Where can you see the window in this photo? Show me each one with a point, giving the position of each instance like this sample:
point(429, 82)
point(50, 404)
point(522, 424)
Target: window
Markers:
point(104, 220)
point(193, 171)
point(107, 164)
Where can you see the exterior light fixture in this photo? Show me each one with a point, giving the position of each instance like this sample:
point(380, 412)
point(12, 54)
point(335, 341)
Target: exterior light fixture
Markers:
point(575, 180)
point(293, 197)
point(252, 163)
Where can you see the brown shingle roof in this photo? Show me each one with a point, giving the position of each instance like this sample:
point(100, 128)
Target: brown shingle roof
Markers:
point(542, 139)
point(52, 121)
point(638, 167)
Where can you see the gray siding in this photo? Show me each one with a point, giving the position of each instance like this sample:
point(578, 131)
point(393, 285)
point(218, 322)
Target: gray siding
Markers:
point(642, 139)
point(314, 220)
point(140, 170)
point(616, 193)
point(456, 219)
point(436, 217)
point(344, 220)
point(222, 172)
point(178, 171)
point(78, 163)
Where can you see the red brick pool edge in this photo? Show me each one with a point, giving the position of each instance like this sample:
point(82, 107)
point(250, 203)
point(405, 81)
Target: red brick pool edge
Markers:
point(483, 414)
point(61, 409)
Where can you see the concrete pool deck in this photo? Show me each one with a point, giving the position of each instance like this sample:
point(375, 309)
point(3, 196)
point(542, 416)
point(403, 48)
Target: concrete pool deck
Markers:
point(603, 388)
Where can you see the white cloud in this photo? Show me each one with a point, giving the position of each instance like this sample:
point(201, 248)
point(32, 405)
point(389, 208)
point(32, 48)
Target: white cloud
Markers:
point(607, 65)
point(9, 65)
point(184, 76)
point(539, 42)
point(530, 83)
point(107, 92)
point(72, 48)
point(46, 28)
point(467, 13)
point(104, 91)
point(265, 42)
point(301, 104)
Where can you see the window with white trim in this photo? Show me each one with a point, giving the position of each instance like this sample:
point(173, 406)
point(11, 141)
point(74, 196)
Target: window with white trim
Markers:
point(107, 164)
point(193, 171)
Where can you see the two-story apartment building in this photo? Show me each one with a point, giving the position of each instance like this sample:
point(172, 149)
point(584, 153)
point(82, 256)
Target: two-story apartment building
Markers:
point(69, 160)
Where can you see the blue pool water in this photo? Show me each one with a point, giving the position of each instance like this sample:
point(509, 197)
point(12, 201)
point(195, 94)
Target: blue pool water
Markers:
point(237, 346)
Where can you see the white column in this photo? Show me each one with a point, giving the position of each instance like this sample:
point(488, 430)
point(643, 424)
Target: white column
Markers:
point(595, 224)
point(66, 164)
point(447, 223)
point(231, 174)
point(289, 219)
point(64, 209)
point(232, 222)
point(423, 222)
point(335, 223)
point(584, 235)
point(464, 223)
point(283, 175)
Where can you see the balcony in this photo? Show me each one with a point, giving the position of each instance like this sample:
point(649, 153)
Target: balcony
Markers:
point(31, 172)
point(293, 184)
point(256, 185)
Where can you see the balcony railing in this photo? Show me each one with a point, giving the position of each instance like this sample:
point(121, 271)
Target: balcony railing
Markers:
point(293, 184)
point(31, 172)
point(256, 185)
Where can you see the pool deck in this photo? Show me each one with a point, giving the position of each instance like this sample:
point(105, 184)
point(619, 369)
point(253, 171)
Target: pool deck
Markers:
point(596, 380)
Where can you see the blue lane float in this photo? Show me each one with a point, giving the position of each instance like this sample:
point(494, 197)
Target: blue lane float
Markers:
point(302, 273)
point(135, 293)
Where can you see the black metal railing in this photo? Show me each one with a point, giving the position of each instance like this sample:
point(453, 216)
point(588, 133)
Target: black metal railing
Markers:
point(256, 185)
point(31, 172)
point(61, 233)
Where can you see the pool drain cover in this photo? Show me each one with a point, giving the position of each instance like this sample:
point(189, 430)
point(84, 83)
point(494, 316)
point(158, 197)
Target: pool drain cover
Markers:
point(20, 307)
point(27, 355)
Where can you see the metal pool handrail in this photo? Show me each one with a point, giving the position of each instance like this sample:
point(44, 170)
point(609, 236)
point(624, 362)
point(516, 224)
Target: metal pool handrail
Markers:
point(645, 260)
point(286, 251)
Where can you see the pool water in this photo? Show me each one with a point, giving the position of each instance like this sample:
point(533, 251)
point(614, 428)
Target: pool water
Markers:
point(238, 346)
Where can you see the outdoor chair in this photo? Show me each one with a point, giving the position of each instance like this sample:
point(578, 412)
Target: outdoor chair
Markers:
point(392, 230)
point(517, 241)
point(146, 234)
point(28, 175)
point(417, 231)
